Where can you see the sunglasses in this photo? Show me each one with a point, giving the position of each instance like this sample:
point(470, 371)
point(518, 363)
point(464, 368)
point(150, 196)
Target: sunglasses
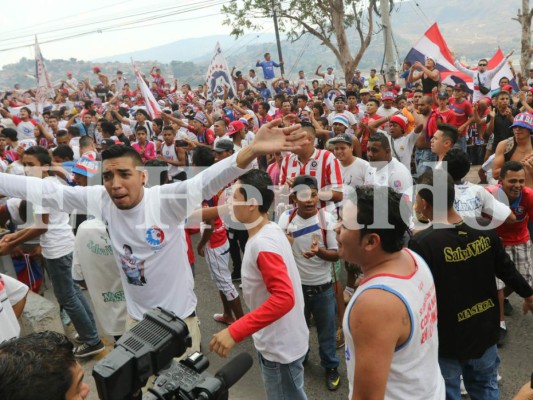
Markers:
point(482, 65)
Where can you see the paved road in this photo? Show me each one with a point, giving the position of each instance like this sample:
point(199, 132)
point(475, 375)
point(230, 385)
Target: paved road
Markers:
point(516, 355)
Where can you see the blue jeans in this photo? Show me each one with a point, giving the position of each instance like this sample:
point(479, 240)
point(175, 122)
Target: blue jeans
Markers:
point(70, 297)
point(422, 158)
point(323, 306)
point(461, 144)
point(479, 376)
point(283, 381)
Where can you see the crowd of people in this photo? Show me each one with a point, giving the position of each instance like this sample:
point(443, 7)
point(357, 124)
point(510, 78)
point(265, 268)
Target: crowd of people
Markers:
point(299, 180)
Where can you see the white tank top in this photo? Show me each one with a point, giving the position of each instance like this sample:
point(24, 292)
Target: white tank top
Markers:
point(170, 153)
point(414, 372)
point(329, 79)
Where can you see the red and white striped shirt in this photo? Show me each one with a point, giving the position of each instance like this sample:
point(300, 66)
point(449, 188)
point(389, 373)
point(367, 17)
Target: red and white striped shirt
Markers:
point(322, 165)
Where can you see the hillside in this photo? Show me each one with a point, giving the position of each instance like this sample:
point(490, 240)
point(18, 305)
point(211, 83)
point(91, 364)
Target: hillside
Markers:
point(468, 27)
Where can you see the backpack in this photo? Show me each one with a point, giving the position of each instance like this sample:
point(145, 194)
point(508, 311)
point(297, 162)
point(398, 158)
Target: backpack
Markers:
point(482, 89)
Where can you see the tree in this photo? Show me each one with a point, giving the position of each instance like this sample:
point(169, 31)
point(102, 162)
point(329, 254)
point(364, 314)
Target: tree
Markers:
point(524, 18)
point(328, 20)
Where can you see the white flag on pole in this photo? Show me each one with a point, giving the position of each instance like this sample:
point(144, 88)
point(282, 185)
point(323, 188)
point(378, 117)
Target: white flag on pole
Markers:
point(218, 76)
point(44, 84)
point(149, 100)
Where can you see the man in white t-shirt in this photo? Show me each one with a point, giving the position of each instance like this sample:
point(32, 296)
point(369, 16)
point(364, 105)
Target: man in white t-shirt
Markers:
point(384, 169)
point(353, 169)
point(57, 240)
point(472, 201)
point(387, 108)
point(145, 225)
point(328, 76)
point(25, 125)
point(340, 108)
point(402, 143)
point(12, 300)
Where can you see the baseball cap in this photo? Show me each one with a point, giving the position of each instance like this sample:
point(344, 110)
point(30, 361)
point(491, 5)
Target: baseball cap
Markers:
point(342, 139)
point(442, 95)
point(431, 58)
point(388, 96)
point(508, 88)
point(223, 145)
point(234, 126)
point(364, 90)
point(86, 165)
point(341, 119)
point(400, 120)
point(524, 120)
point(304, 180)
point(108, 142)
point(330, 67)
point(244, 121)
point(340, 98)
point(201, 118)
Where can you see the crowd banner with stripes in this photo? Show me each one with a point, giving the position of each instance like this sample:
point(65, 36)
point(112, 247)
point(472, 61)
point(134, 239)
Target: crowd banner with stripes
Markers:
point(218, 76)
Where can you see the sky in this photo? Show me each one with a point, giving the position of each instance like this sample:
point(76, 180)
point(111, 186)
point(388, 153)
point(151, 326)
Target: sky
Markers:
point(61, 18)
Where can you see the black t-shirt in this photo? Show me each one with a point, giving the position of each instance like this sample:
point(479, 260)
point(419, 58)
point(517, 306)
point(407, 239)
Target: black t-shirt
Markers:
point(101, 93)
point(502, 128)
point(464, 262)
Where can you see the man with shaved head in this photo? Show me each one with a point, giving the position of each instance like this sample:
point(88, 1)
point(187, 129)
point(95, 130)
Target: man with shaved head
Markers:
point(427, 121)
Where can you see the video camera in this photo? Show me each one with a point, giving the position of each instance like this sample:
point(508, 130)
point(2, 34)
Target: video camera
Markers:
point(148, 349)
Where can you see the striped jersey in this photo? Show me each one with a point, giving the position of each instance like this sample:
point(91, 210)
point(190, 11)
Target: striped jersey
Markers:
point(322, 165)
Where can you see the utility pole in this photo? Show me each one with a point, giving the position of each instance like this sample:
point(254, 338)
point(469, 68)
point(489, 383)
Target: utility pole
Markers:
point(275, 16)
point(389, 65)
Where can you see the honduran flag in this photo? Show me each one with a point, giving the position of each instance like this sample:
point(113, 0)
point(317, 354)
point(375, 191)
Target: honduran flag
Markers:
point(432, 44)
point(150, 102)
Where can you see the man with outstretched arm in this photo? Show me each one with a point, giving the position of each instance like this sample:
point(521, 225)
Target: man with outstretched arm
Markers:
point(145, 225)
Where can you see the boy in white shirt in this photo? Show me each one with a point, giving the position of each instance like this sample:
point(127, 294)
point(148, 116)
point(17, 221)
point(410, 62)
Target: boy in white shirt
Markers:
point(314, 246)
point(57, 242)
point(272, 290)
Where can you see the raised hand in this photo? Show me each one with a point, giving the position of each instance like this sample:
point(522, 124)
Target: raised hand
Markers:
point(270, 139)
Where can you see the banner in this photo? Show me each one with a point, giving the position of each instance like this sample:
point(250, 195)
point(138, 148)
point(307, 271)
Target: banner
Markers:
point(45, 89)
point(218, 77)
point(432, 44)
point(150, 102)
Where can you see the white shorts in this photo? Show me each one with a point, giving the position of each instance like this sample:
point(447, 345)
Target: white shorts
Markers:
point(218, 262)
